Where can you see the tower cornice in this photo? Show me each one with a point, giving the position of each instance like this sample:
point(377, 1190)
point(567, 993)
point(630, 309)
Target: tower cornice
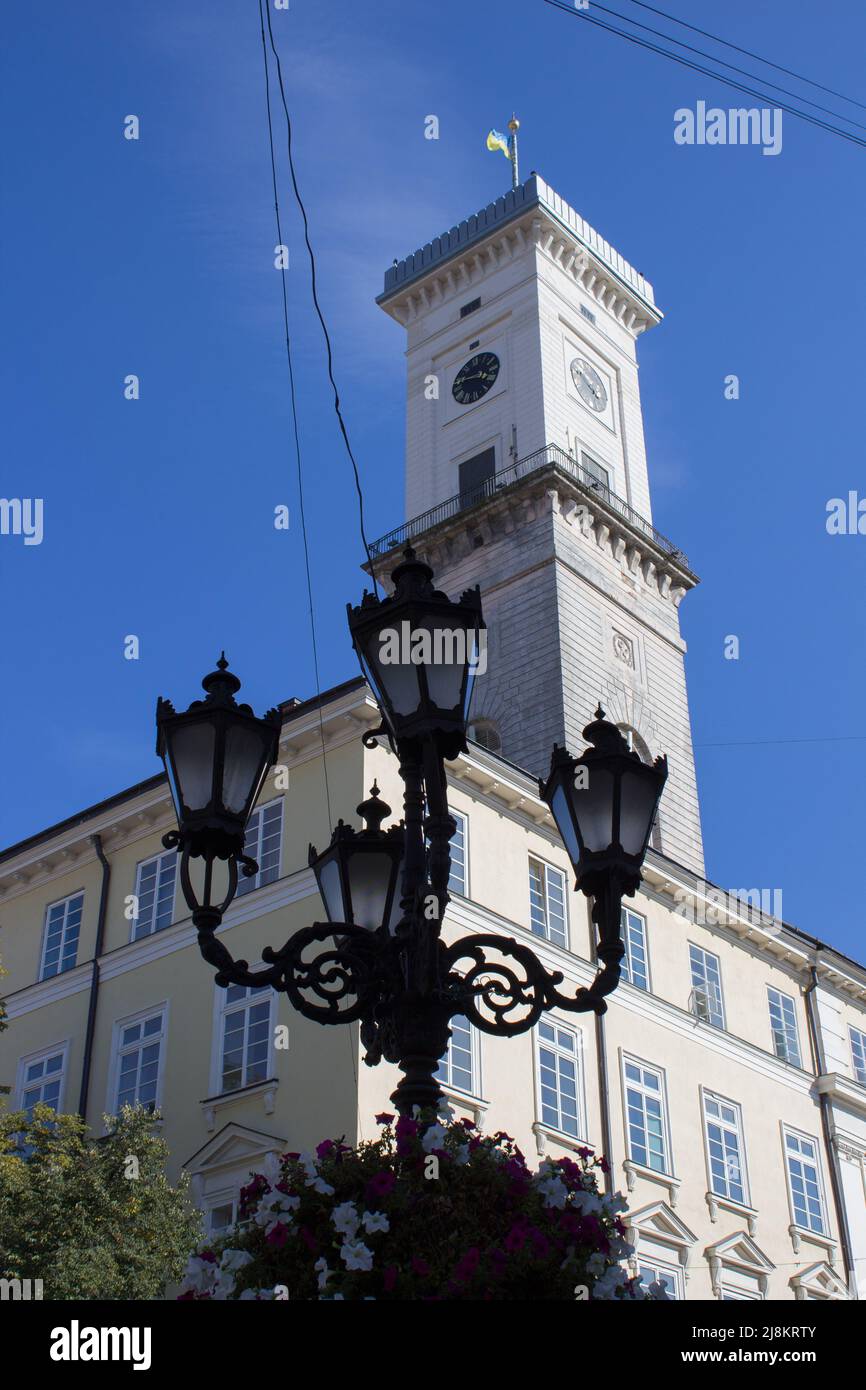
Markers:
point(531, 215)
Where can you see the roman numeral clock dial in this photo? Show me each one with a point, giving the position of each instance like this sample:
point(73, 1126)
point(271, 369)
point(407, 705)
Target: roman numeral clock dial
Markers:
point(475, 378)
point(588, 384)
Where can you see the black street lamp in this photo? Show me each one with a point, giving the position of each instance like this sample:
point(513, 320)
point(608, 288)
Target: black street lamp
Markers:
point(604, 804)
point(380, 959)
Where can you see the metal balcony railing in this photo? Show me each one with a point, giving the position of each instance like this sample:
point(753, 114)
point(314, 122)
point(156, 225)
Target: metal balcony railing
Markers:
point(550, 456)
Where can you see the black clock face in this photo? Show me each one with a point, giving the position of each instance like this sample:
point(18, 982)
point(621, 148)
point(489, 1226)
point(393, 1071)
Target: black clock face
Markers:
point(475, 378)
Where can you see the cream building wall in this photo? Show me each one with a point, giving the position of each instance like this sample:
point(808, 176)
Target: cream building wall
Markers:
point(318, 1086)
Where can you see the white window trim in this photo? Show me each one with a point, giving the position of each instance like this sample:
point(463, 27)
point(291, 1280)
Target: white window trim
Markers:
point(220, 1008)
point(114, 1064)
point(633, 1165)
point(142, 863)
point(723, 1026)
point(542, 1127)
point(476, 1095)
point(25, 1062)
point(795, 1230)
point(562, 945)
point(263, 806)
point(719, 1199)
point(649, 979)
point(674, 1272)
point(67, 897)
point(466, 883)
point(787, 1060)
point(861, 1033)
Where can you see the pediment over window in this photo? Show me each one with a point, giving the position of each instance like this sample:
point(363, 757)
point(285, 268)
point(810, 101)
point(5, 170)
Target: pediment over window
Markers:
point(739, 1256)
point(819, 1281)
point(659, 1222)
point(232, 1147)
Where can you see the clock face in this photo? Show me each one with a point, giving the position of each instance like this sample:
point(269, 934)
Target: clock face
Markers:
point(588, 384)
point(475, 378)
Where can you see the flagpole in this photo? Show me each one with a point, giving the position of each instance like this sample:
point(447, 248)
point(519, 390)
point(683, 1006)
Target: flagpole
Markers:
point(513, 126)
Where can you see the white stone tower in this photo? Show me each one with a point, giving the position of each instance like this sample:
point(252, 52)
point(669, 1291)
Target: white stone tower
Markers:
point(526, 473)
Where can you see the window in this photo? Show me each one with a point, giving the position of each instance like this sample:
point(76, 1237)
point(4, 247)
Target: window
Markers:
point(457, 1067)
point(587, 313)
point(245, 1036)
point(485, 733)
point(42, 1079)
point(666, 1275)
point(262, 843)
point(559, 1077)
point(724, 1133)
point(547, 902)
point(635, 967)
point(221, 1217)
point(154, 890)
point(804, 1182)
point(457, 879)
point(597, 473)
point(60, 943)
point(469, 308)
point(783, 1022)
point(858, 1052)
point(474, 475)
point(138, 1051)
point(706, 987)
point(645, 1115)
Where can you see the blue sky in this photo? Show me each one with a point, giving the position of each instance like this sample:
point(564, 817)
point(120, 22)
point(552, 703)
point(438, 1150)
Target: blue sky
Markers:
point(155, 257)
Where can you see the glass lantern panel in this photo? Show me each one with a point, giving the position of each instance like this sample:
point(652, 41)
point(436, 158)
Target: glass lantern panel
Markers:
point(593, 808)
point(393, 674)
point(369, 878)
point(242, 767)
point(331, 891)
point(191, 748)
point(638, 802)
point(445, 651)
point(564, 823)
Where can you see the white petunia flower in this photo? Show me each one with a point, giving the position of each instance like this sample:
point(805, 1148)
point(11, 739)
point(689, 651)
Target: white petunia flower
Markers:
point(433, 1138)
point(235, 1259)
point(553, 1191)
point(346, 1219)
point(199, 1275)
point(323, 1272)
point(356, 1255)
point(375, 1221)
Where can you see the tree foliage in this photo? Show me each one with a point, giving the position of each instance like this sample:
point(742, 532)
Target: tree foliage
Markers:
point(93, 1218)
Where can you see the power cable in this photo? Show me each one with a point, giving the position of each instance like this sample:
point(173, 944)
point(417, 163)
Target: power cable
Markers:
point(295, 418)
point(707, 72)
point(312, 257)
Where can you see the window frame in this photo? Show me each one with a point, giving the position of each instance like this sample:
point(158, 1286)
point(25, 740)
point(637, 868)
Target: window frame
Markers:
point(249, 885)
point(475, 1093)
point(578, 1057)
point(693, 946)
point(824, 1233)
point(771, 989)
point(43, 1053)
point(114, 1069)
point(58, 902)
point(142, 864)
point(222, 1007)
point(627, 912)
point(547, 867)
point(661, 1267)
point(669, 1170)
point(464, 891)
point(707, 1093)
point(859, 1071)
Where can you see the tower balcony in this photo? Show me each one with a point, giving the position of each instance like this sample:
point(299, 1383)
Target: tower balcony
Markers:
point(588, 502)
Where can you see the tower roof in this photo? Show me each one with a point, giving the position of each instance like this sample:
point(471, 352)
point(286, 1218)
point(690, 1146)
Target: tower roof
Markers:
point(533, 193)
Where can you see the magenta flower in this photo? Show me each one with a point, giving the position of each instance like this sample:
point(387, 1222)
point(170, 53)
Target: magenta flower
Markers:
point(420, 1267)
point(389, 1278)
point(380, 1185)
point(309, 1240)
point(384, 1118)
point(326, 1148)
point(277, 1235)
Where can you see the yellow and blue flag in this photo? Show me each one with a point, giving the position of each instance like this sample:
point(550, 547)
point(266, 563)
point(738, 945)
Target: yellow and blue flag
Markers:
point(497, 141)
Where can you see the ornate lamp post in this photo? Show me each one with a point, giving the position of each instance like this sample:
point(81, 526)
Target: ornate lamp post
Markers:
point(378, 959)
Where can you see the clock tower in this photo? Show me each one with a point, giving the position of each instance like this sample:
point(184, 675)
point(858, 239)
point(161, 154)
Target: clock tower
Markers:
point(526, 473)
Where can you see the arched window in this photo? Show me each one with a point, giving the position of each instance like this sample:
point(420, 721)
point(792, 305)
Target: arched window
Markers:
point(485, 733)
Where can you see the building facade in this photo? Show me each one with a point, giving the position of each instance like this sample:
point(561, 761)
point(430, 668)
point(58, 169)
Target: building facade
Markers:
point(727, 1081)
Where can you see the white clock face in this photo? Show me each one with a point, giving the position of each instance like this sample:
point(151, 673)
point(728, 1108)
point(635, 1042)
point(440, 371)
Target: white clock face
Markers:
point(588, 384)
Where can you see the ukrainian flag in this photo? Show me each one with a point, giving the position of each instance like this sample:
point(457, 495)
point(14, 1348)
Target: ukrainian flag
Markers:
point(496, 141)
